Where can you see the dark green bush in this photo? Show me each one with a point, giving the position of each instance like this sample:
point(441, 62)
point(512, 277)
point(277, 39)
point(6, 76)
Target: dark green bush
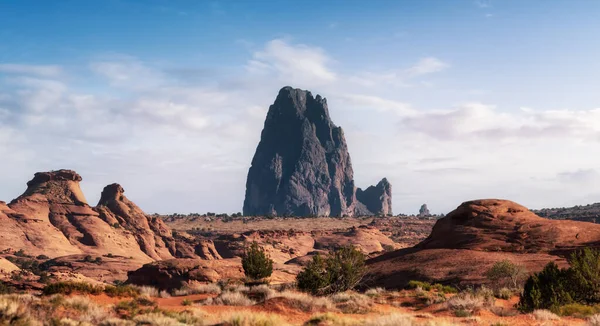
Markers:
point(257, 265)
point(342, 270)
point(548, 289)
point(554, 287)
point(585, 268)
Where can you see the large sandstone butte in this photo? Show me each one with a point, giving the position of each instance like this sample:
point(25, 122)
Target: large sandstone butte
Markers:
point(53, 218)
point(469, 240)
point(302, 166)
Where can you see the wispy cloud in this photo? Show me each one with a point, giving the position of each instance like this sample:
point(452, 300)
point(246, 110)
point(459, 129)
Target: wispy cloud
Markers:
point(480, 121)
point(296, 63)
point(579, 176)
point(426, 66)
point(36, 70)
point(483, 3)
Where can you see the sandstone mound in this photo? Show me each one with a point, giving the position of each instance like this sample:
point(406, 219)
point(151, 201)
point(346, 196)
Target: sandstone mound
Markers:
point(302, 166)
point(53, 218)
point(502, 225)
point(465, 243)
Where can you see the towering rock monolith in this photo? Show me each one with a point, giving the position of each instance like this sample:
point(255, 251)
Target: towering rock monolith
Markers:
point(302, 167)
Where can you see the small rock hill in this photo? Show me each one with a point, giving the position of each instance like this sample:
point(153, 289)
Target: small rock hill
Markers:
point(53, 218)
point(465, 243)
point(302, 166)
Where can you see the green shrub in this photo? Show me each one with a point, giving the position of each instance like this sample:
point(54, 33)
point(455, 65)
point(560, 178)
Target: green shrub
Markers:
point(554, 287)
point(418, 284)
point(578, 310)
point(507, 274)
point(462, 313)
point(315, 277)
point(585, 267)
point(21, 253)
point(70, 287)
point(444, 288)
point(548, 289)
point(342, 270)
point(121, 291)
point(186, 302)
point(257, 265)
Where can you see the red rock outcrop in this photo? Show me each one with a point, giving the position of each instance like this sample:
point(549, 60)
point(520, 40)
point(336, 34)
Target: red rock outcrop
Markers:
point(53, 218)
point(152, 235)
point(465, 243)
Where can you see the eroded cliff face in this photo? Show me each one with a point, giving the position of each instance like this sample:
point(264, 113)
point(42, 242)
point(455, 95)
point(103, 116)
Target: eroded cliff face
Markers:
point(302, 166)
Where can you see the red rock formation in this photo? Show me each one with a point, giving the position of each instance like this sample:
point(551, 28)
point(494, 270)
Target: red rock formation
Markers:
point(52, 217)
point(153, 236)
point(465, 243)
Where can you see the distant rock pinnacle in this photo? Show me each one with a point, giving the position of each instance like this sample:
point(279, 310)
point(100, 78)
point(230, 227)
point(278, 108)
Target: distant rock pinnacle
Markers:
point(302, 167)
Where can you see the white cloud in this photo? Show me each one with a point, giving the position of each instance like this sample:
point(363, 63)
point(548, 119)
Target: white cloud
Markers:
point(36, 70)
point(478, 121)
point(426, 66)
point(296, 64)
point(375, 103)
point(128, 72)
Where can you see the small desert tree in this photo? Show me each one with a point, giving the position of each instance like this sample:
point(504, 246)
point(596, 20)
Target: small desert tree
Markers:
point(585, 267)
point(548, 289)
point(507, 274)
point(342, 270)
point(256, 263)
point(315, 277)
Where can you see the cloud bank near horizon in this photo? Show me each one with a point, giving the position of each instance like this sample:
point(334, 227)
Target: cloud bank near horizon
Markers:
point(181, 138)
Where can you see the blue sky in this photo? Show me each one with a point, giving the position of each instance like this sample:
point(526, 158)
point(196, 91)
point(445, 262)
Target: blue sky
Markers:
point(451, 100)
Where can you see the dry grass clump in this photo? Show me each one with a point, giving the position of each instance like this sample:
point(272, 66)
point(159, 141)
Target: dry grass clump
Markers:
point(306, 302)
point(264, 291)
point(465, 302)
point(198, 289)
point(15, 311)
point(504, 293)
point(255, 319)
point(148, 291)
point(375, 292)
point(544, 315)
point(85, 310)
point(237, 288)
point(593, 320)
point(229, 299)
point(391, 320)
point(330, 319)
point(352, 303)
point(503, 312)
point(168, 318)
point(117, 322)
point(157, 319)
